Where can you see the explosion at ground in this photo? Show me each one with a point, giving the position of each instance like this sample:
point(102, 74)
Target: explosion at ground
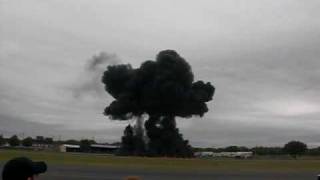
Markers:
point(161, 89)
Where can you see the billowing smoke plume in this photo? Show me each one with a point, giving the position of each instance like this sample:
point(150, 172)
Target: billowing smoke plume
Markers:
point(162, 89)
point(99, 62)
point(91, 75)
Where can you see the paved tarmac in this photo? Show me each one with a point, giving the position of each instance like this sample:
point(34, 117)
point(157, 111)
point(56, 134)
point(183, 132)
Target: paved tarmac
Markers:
point(67, 172)
point(102, 173)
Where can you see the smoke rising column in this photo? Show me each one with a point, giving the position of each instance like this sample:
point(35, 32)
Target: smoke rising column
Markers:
point(161, 89)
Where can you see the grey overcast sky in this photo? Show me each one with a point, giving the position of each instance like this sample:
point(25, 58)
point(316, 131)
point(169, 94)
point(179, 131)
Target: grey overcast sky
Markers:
point(262, 57)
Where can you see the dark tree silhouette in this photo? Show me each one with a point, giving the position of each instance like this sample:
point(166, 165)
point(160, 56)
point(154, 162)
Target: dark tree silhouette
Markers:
point(72, 141)
point(14, 141)
point(295, 148)
point(48, 140)
point(27, 141)
point(40, 140)
point(85, 145)
point(127, 145)
point(232, 149)
point(161, 89)
point(2, 141)
point(260, 150)
point(314, 151)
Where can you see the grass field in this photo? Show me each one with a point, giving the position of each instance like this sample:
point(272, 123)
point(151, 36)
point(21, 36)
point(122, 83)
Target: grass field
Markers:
point(304, 164)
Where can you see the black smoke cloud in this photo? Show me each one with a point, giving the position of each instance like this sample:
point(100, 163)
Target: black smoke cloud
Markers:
point(164, 87)
point(89, 81)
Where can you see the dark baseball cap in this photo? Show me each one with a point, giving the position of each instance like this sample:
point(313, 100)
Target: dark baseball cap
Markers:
point(21, 168)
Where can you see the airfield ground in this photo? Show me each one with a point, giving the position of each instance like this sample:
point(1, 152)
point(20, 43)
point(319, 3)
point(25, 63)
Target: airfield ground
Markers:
point(106, 167)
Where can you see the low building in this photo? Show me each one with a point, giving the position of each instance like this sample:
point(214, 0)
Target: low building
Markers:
point(243, 155)
point(204, 154)
point(41, 146)
point(69, 148)
point(240, 155)
point(94, 148)
point(103, 148)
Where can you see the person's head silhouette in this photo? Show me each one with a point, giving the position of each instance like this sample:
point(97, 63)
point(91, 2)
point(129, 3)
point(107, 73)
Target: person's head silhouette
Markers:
point(22, 168)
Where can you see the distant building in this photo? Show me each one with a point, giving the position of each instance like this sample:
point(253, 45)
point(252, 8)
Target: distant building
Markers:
point(41, 146)
point(69, 148)
point(204, 154)
point(94, 148)
point(103, 148)
point(242, 155)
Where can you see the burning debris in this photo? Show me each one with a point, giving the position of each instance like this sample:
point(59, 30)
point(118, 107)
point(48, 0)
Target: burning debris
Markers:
point(161, 89)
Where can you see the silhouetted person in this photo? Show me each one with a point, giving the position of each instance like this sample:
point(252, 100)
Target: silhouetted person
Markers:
point(22, 168)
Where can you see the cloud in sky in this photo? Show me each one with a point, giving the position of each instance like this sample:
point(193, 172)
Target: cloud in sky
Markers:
point(290, 107)
point(262, 57)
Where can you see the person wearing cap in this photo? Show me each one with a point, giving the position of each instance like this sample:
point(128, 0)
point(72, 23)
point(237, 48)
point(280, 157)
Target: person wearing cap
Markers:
point(22, 168)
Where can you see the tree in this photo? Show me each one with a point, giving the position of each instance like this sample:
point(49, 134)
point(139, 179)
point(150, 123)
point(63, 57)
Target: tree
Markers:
point(14, 141)
point(48, 140)
point(232, 149)
point(127, 142)
point(295, 148)
point(267, 150)
point(40, 139)
point(2, 141)
point(72, 141)
point(236, 149)
point(314, 151)
point(163, 90)
point(85, 145)
point(27, 142)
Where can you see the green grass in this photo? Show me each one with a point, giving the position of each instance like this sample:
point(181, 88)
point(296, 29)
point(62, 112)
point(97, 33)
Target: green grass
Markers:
point(168, 164)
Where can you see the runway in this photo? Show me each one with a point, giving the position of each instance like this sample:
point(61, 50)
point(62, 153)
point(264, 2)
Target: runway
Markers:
point(67, 172)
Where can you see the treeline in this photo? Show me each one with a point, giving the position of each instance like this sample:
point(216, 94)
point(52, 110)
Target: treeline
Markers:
point(14, 141)
point(292, 147)
point(259, 150)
